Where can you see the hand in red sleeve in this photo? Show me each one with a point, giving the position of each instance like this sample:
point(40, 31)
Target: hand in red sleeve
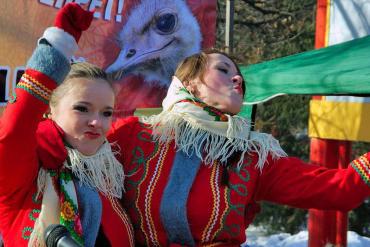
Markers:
point(50, 146)
point(73, 19)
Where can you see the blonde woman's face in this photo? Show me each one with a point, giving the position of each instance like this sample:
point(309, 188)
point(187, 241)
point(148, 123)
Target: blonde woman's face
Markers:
point(222, 85)
point(85, 114)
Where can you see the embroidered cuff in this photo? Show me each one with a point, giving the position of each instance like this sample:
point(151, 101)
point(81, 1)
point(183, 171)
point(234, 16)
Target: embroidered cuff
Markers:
point(34, 87)
point(362, 166)
point(62, 41)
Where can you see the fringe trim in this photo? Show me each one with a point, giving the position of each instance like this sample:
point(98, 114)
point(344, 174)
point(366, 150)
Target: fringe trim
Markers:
point(41, 182)
point(101, 170)
point(191, 136)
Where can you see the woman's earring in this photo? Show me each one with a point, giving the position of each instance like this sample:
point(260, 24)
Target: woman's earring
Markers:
point(47, 115)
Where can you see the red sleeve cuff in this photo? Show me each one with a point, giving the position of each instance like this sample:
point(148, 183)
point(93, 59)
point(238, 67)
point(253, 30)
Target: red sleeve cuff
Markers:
point(37, 84)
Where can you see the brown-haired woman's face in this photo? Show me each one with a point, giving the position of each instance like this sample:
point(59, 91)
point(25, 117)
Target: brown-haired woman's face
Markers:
point(222, 85)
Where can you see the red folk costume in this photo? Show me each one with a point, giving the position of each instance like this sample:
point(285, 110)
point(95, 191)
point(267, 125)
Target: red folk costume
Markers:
point(30, 197)
point(174, 166)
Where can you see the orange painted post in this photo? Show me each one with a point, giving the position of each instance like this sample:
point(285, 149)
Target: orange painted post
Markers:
point(321, 223)
point(344, 154)
point(326, 226)
point(320, 232)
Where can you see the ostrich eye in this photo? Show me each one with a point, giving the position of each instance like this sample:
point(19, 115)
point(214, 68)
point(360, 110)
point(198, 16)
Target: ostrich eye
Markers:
point(166, 23)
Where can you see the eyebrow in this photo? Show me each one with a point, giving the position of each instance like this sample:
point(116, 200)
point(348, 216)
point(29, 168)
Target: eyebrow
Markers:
point(226, 64)
point(89, 104)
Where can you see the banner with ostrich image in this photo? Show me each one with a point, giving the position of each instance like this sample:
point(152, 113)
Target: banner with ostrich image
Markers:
point(139, 42)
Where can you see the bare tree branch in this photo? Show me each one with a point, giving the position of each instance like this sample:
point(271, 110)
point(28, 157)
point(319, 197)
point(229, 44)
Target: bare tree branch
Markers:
point(289, 39)
point(258, 7)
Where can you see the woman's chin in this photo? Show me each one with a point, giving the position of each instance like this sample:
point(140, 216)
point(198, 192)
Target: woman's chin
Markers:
point(235, 109)
point(88, 151)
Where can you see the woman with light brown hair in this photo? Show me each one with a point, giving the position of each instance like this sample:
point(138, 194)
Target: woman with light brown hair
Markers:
point(196, 173)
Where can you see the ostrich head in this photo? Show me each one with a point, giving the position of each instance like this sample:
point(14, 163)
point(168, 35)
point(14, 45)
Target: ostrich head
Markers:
point(158, 34)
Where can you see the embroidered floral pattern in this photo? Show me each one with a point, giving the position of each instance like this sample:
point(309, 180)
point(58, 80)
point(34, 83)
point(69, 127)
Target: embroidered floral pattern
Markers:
point(67, 211)
point(34, 214)
point(26, 232)
point(69, 216)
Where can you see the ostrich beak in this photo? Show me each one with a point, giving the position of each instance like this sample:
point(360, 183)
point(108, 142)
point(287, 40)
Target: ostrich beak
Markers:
point(120, 63)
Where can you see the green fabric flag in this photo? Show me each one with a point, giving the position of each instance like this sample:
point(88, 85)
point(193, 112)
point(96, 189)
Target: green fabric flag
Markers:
point(337, 69)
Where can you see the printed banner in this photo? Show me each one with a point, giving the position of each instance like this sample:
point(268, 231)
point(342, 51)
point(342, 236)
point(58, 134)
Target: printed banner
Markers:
point(342, 117)
point(139, 41)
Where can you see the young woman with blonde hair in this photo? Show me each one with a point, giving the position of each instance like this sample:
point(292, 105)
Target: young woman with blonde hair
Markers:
point(62, 170)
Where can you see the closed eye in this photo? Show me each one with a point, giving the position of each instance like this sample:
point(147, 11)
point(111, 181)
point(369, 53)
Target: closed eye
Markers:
point(223, 70)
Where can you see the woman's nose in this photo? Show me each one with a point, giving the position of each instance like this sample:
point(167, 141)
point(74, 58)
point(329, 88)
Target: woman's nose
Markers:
point(237, 79)
point(95, 122)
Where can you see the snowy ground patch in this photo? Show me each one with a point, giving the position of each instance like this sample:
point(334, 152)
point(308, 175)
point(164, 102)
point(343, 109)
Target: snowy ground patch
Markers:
point(256, 238)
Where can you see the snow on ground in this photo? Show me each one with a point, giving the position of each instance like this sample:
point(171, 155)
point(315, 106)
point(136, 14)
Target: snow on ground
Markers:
point(256, 238)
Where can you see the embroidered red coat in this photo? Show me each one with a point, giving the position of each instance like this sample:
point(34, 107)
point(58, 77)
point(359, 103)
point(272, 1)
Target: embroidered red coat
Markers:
point(22, 152)
point(217, 215)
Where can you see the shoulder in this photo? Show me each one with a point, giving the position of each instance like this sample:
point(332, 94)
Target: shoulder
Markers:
point(128, 124)
point(129, 128)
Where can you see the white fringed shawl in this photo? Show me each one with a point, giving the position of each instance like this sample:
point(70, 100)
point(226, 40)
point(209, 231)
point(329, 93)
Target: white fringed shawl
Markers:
point(212, 135)
point(101, 171)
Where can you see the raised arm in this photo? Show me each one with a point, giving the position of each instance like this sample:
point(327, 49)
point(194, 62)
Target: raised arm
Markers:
point(47, 67)
point(290, 181)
